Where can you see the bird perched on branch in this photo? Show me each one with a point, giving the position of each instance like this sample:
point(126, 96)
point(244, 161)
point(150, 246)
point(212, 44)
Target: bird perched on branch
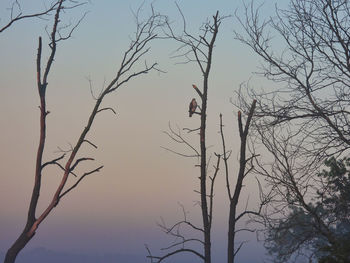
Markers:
point(193, 107)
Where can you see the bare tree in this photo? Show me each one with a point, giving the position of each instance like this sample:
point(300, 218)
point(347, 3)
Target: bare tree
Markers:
point(306, 119)
point(296, 218)
point(313, 71)
point(131, 66)
point(245, 167)
point(197, 49)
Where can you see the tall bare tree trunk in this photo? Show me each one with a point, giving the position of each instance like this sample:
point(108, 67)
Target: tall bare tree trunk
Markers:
point(207, 219)
point(231, 234)
point(203, 175)
point(243, 133)
point(27, 234)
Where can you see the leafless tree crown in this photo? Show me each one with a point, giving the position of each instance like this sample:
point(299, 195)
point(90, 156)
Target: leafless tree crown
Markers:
point(305, 120)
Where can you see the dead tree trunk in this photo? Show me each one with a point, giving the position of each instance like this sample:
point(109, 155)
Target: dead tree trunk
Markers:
point(205, 66)
point(27, 235)
point(19, 244)
point(197, 49)
point(233, 218)
point(203, 175)
point(145, 33)
point(206, 214)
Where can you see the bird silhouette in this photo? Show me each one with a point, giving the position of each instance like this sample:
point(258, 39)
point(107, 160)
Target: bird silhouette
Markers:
point(192, 107)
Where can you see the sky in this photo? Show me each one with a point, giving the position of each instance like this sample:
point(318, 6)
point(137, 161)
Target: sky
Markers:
point(117, 209)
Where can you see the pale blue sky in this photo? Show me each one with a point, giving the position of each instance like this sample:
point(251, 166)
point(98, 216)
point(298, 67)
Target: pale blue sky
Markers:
point(114, 210)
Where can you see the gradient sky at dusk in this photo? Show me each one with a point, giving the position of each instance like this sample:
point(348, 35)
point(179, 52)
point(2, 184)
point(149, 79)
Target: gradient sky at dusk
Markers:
point(116, 210)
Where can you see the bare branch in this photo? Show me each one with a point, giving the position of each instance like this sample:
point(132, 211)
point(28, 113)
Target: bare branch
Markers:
point(211, 196)
point(183, 243)
point(71, 31)
point(182, 250)
point(109, 108)
point(225, 158)
point(198, 91)
point(177, 137)
point(93, 145)
point(79, 180)
point(191, 130)
point(239, 247)
point(80, 160)
point(54, 161)
point(20, 16)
